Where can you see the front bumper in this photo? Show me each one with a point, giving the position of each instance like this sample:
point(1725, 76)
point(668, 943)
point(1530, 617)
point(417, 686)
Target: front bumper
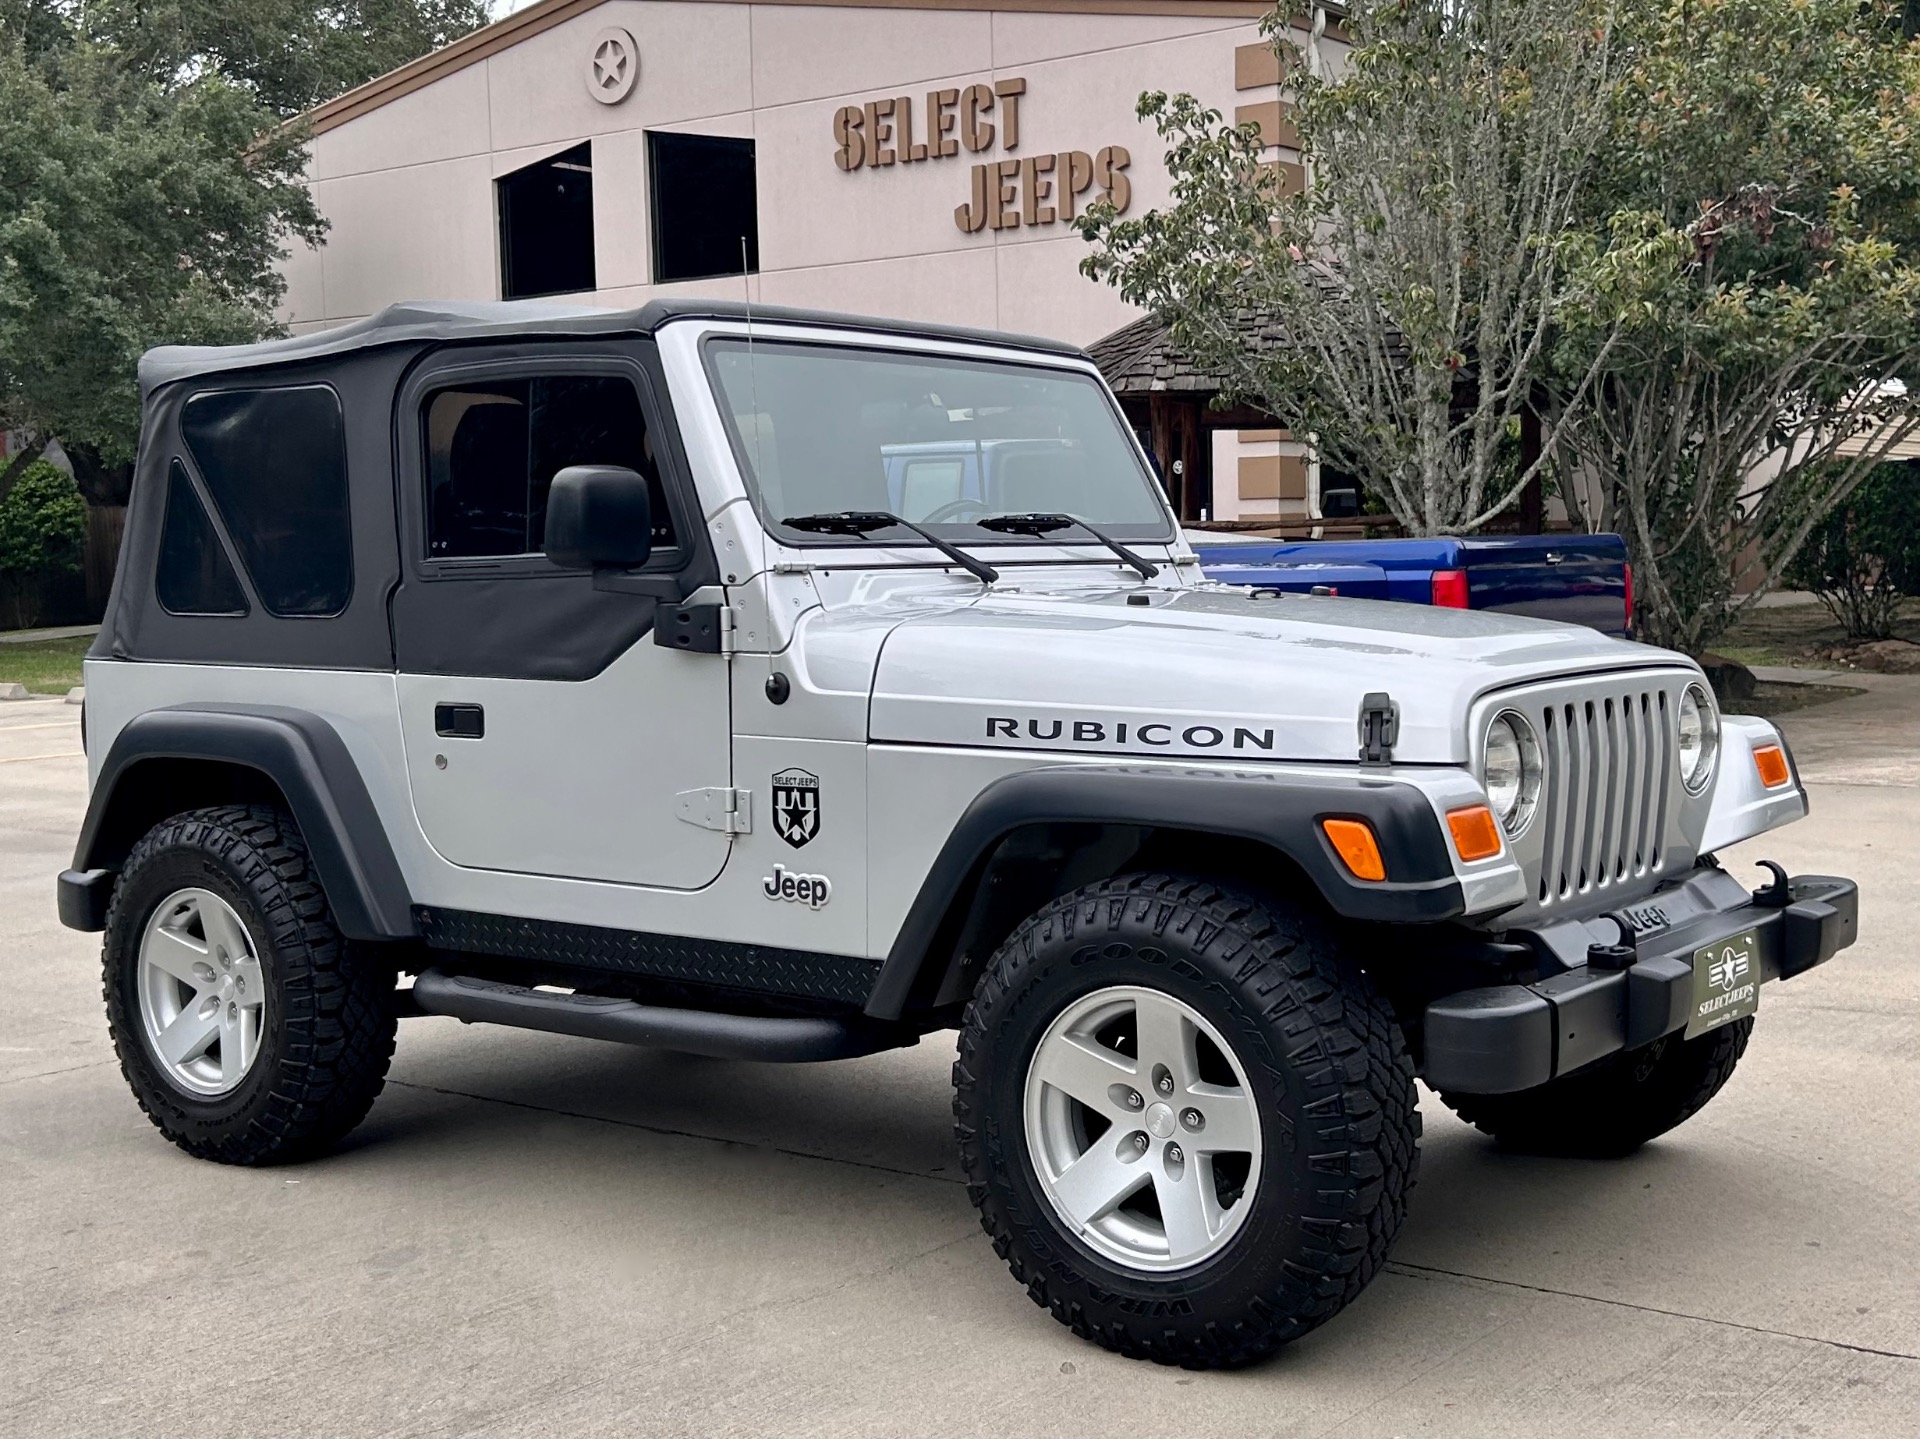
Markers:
point(1515, 1036)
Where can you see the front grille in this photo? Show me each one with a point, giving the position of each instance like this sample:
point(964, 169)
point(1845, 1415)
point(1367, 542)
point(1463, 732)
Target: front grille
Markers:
point(1606, 791)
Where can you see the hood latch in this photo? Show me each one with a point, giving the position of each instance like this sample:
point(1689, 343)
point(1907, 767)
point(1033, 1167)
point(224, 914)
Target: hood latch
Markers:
point(1379, 728)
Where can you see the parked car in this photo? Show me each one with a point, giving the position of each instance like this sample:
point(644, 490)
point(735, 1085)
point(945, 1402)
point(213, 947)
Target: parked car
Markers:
point(571, 665)
point(1581, 579)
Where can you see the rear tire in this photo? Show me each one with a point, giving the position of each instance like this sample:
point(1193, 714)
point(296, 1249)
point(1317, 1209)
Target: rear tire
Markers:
point(1304, 1154)
point(250, 1031)
point(1613, 1107)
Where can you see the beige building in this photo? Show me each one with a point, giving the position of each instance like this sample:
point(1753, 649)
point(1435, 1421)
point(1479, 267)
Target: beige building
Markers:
point(910, 158)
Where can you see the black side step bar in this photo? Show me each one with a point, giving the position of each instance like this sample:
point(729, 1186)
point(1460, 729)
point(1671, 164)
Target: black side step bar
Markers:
point(691, 1031)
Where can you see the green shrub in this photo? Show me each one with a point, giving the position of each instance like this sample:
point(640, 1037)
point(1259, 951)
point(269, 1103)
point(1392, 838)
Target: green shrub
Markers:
point(1867, 553)
point(43, 527)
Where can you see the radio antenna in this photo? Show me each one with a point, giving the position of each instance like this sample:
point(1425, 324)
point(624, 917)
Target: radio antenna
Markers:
point(753, 374)
point(776, 686)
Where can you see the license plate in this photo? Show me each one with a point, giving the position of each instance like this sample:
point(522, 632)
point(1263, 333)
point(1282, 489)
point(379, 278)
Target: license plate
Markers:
point(1726, 982)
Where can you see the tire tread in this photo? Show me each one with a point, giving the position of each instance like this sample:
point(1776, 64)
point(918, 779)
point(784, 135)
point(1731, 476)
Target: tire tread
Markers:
point(335, 997)
point(1337, 1034)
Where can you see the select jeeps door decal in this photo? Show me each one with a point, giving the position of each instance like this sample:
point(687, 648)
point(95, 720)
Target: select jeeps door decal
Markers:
point(796, 806)
point(1125, 734)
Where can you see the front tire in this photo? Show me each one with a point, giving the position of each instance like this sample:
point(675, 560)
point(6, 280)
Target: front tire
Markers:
point(249, 1029)
point(1265, 1196)
point(1611, 1108)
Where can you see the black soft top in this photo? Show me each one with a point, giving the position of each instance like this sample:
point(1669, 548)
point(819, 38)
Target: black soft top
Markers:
point(437, 321)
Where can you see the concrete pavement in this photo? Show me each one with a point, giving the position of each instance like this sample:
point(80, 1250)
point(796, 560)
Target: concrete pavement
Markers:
point(536, 1235)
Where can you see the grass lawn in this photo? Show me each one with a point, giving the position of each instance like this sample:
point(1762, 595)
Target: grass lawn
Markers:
point(47, 667)
point(1788, 634)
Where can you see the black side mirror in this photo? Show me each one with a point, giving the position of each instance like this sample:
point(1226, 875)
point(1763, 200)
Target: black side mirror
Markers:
point(598, 515)
point(1339, 504)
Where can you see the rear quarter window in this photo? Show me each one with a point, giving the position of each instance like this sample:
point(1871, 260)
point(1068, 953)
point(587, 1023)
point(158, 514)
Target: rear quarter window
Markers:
point(193, 576)
point(275, 463)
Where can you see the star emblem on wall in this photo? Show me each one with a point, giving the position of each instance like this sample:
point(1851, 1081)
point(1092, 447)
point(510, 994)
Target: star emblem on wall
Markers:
point(613, 65)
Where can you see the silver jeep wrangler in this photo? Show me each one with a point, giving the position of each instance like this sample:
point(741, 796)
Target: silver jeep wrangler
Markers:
point(785, 687)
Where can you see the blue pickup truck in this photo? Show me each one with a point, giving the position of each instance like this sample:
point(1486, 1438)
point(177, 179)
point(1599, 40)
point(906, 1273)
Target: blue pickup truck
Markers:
point(1580, 579)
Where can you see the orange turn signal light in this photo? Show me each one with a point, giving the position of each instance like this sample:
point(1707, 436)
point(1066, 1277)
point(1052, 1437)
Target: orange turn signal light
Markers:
point(1359, 851)
point(1771, 761)
point(1476, 834)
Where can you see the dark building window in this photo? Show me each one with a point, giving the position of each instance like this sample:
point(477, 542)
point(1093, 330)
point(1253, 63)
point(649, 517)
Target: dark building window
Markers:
point(546, 226)
point(493, 448)
point(194, 576)
point(704, 208)
point(275, 465)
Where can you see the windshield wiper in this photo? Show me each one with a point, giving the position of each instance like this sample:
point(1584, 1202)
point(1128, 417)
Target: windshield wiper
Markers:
point(1044, 524)
point(862, 522)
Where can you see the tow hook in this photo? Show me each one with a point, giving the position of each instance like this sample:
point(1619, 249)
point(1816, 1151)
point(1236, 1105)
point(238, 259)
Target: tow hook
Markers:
point(1777, 893)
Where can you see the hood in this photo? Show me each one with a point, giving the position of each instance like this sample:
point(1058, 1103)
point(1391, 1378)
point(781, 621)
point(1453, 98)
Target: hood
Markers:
point(1210, 672)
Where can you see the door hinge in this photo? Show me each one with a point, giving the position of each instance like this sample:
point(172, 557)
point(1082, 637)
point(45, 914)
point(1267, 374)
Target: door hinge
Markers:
point(697, 629)
point(1379, 728)
point(728, 810)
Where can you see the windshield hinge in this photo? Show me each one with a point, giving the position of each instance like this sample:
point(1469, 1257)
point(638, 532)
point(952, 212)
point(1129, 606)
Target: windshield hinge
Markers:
point(728, 810)
point(697, 629)
point(1379, 728)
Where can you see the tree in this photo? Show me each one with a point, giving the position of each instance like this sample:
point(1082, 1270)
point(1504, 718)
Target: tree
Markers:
point(1865, 557)
point(289, 54)
point(1751, 272)
point(1399, 308)
point(151, 185)
point(43, 523)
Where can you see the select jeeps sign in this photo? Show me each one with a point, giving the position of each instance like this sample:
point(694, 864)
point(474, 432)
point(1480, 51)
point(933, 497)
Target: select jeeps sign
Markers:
point(1035, 189)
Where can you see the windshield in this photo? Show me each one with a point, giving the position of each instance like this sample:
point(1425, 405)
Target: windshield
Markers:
point(942, 442)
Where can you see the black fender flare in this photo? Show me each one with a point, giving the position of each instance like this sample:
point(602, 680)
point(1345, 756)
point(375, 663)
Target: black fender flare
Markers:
point(304, 758)
point(1273, 808)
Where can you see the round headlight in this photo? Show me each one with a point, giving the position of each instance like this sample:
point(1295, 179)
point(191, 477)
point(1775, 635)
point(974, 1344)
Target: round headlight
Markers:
point(1511, 770)
point(1698, 737)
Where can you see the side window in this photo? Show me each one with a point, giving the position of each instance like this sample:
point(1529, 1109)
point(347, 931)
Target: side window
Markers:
point(494, 446)
point(275, 463)
point(193, 576)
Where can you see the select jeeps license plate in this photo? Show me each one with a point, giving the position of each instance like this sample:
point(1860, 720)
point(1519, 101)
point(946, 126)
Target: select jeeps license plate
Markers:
point(1726, 982)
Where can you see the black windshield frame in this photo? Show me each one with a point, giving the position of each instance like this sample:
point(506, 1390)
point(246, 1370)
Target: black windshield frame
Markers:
point(1165, 532)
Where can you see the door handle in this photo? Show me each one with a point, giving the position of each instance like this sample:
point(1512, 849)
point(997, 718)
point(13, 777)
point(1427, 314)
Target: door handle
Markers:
point(460, 721)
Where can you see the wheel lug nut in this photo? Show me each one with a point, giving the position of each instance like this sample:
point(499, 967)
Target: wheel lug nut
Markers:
point(233, 1011)
point(1134, 1101)
point(1173, 1154)
point(1165, 1084)
point(1140, 1142)
point(1192, 1118)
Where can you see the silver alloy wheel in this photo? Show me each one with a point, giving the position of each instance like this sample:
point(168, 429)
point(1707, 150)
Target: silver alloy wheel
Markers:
point(1104, 1127)
point(202, 993)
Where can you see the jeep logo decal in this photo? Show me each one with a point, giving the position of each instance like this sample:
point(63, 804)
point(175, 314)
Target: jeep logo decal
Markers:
point(812, 890)
point(1153, 734)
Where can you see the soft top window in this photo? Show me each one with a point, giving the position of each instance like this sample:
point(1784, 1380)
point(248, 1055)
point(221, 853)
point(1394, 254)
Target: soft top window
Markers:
point(494, 446)
point(275, 464)
point(193, 576)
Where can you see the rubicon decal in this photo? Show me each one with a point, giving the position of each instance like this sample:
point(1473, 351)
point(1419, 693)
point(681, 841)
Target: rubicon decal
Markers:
point(812, 890)
point(796, 806)
point(1129, 734)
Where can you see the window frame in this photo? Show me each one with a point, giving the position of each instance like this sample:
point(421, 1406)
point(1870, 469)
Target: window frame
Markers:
point(450, 373)
point(806, 539)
